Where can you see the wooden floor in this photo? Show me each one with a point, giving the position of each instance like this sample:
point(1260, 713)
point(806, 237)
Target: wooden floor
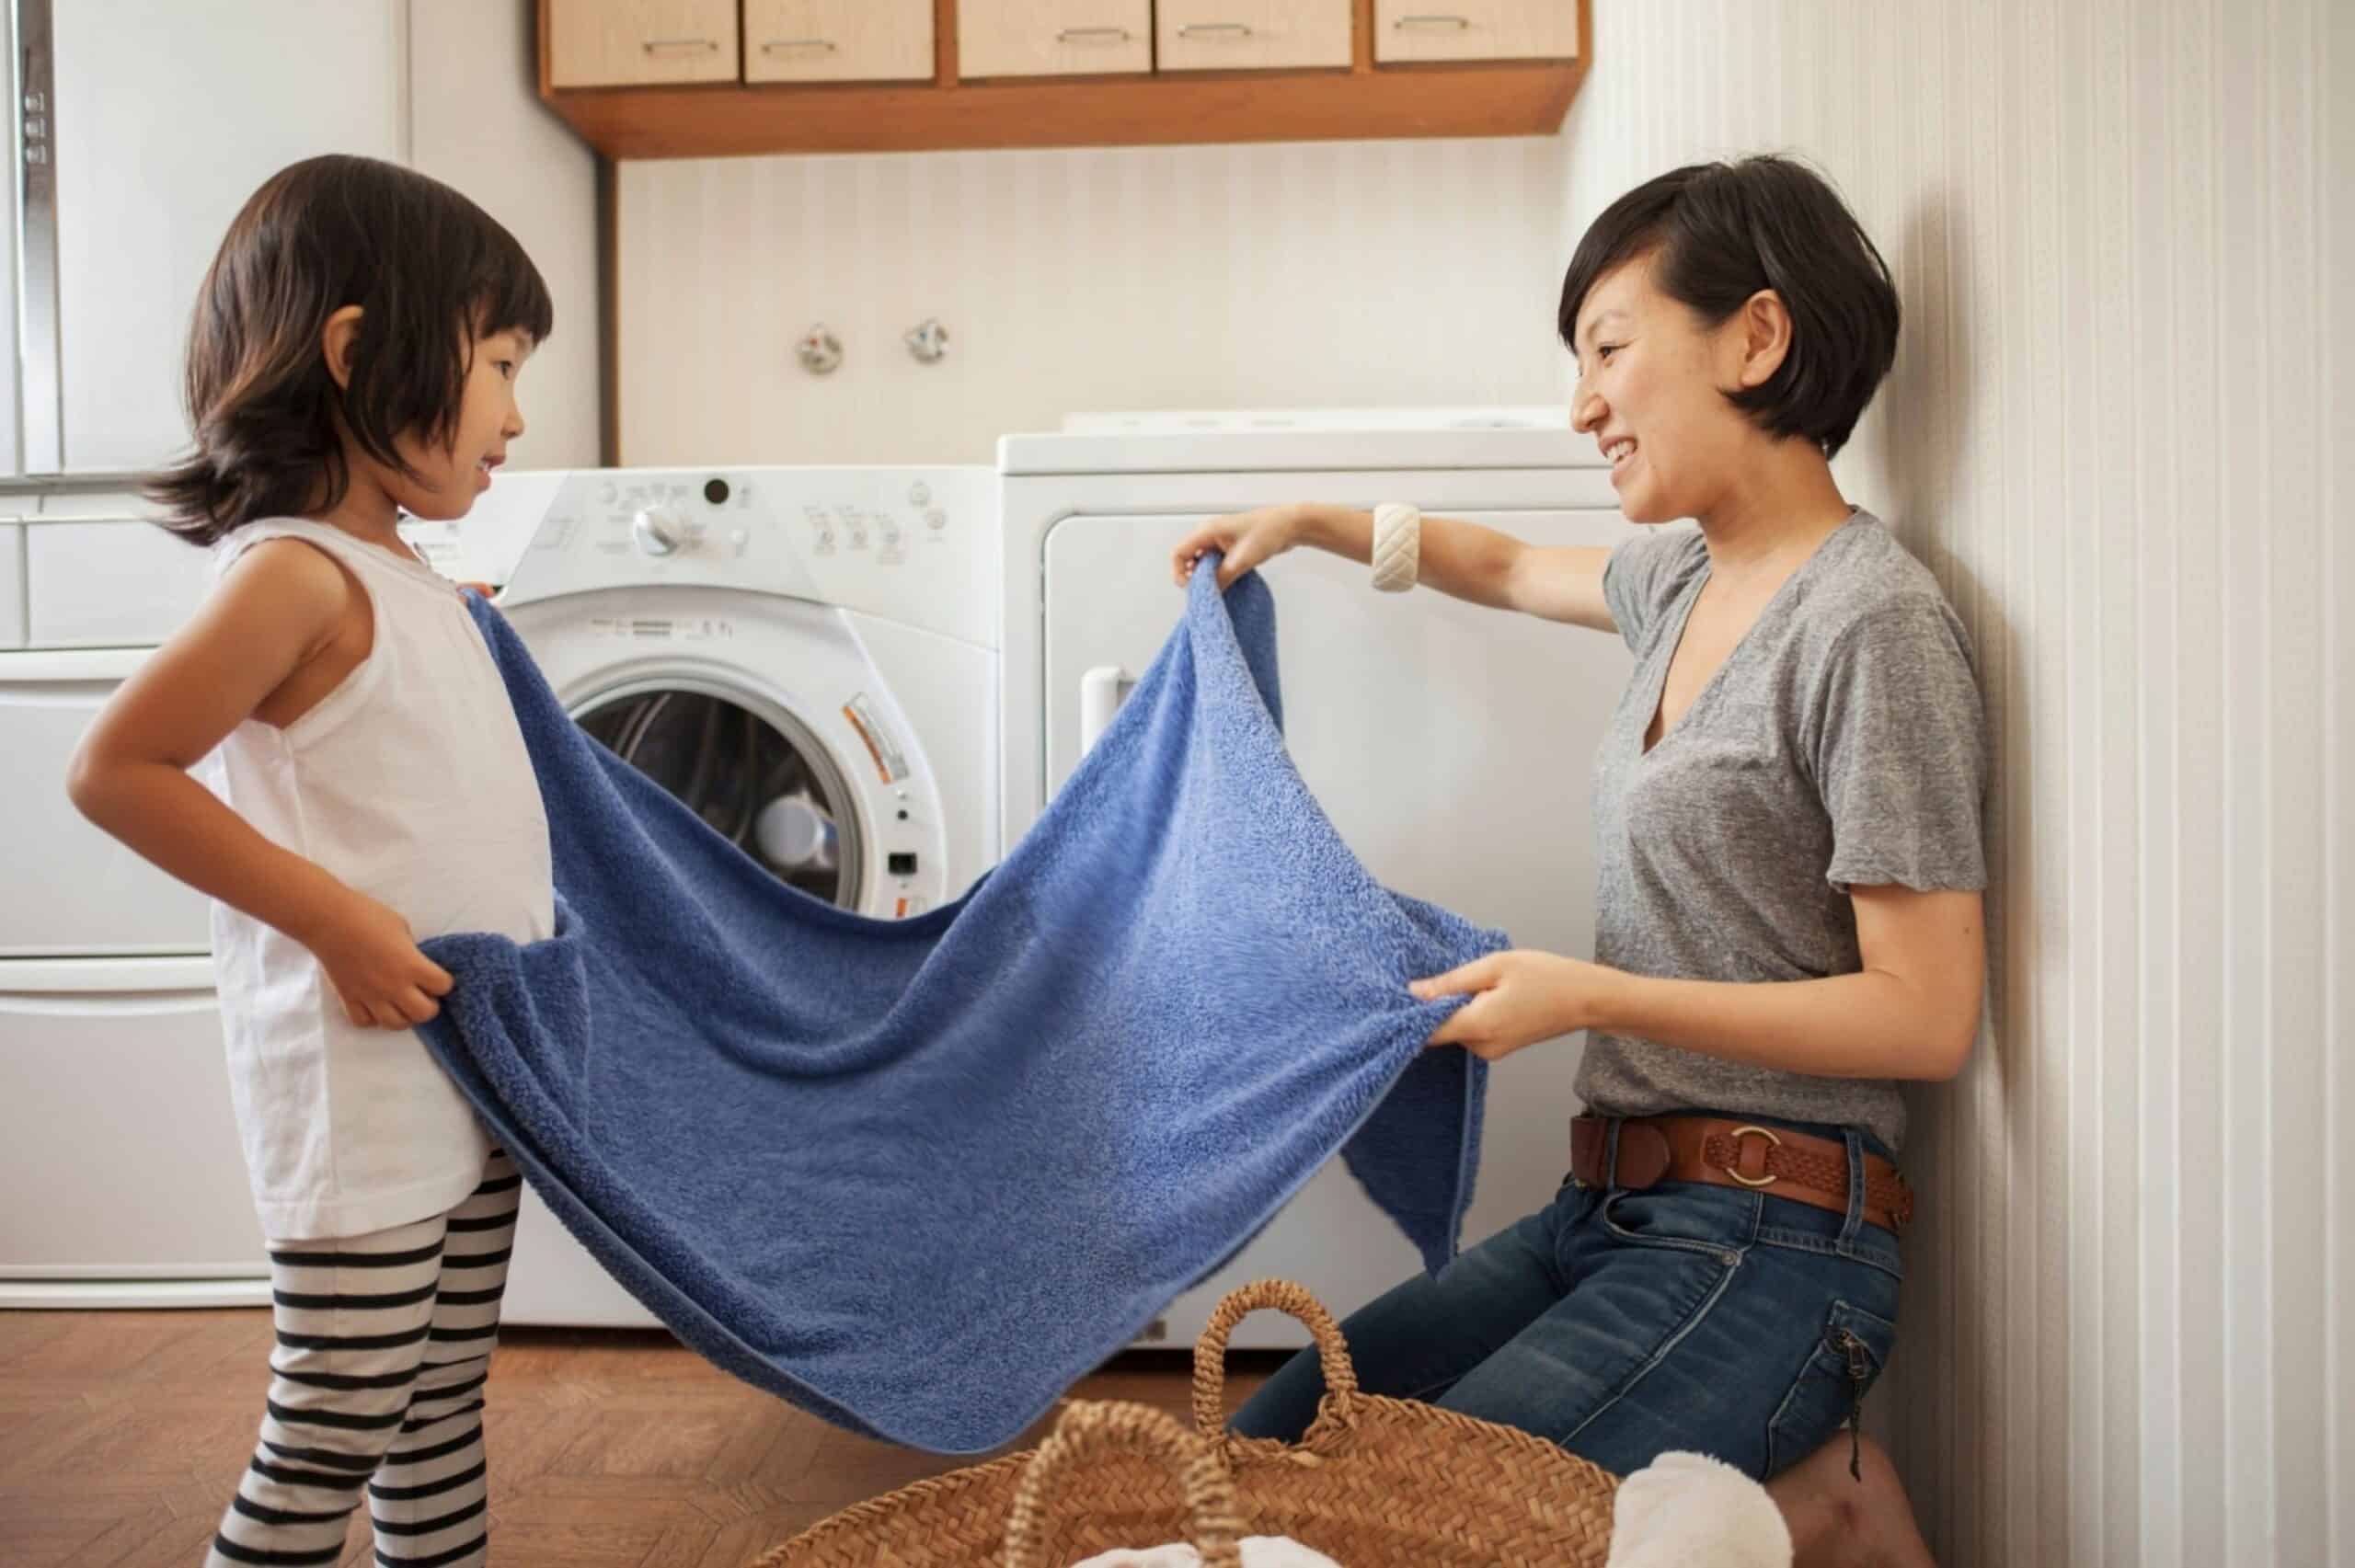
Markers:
point(122, 1434)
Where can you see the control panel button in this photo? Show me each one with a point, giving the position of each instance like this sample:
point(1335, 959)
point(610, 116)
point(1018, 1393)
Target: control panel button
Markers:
point(658, 530)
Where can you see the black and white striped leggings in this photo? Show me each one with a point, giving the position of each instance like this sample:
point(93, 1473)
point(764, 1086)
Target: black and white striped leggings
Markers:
point(384, 1344)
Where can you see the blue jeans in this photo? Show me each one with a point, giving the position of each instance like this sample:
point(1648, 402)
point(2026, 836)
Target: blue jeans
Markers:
point(1623, 1325)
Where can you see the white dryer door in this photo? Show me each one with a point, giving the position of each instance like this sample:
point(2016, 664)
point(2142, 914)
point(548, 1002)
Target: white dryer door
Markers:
point(1451, 746)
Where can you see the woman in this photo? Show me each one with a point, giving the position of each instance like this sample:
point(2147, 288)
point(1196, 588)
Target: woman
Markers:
point(1787, 816)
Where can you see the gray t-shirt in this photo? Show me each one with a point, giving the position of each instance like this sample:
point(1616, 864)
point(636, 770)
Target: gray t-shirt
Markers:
point(1842, 744)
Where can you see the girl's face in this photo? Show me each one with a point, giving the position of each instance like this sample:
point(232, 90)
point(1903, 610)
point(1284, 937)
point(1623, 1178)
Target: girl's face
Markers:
point(444, 482)
point(1651, 391)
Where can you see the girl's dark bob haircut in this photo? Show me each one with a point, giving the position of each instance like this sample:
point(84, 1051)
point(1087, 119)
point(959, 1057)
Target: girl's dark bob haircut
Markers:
point(430, 272)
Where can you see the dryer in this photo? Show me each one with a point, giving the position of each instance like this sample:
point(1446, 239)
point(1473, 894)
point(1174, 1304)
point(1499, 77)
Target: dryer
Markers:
point(1451, 745)
point(805, 656)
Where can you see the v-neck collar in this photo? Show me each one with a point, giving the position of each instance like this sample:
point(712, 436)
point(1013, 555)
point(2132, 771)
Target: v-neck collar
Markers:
point(1683, 613)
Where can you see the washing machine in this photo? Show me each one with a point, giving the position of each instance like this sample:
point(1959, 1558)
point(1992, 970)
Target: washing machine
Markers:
point(805, 656)
point(1451, 746)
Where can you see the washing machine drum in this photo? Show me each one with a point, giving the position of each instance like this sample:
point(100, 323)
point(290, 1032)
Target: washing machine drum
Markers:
point(749, 769)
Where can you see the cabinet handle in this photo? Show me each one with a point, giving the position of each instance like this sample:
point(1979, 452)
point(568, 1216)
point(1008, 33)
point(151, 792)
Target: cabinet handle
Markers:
point(779, 45)
point(1101, 691)
point(1427, 23)
point(1093, 35)
point(1214, 29)
point(46, 668)
point(681, 46)
point(134, 1004)
point(42, 389)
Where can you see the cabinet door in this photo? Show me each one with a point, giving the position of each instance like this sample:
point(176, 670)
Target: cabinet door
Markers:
point(1052, 38)
point(1474, 29)
point(837, 41)
point(167, 117)
point(115, 1111)
point(96, 895)
point(1247, 35)
point(607, 43)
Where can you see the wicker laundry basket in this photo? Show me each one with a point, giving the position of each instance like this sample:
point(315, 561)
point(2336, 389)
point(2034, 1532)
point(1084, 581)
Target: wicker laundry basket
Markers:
point(1374, 1482)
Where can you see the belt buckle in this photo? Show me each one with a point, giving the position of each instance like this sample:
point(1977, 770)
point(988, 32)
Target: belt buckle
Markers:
point(1732, 1171)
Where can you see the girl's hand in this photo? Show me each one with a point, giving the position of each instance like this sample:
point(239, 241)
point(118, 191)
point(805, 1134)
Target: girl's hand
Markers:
point(1246, 539)
point(1518, 999)
point(371, 959)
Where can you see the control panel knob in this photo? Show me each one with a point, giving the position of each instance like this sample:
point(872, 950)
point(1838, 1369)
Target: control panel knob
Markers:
point(658, 530)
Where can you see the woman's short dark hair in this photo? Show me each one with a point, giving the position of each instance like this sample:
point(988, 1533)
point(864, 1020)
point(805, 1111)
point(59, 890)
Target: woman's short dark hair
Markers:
point(1719, 232)
point(429, 271)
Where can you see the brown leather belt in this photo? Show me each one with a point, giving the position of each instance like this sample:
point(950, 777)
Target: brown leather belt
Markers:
point(1774, 1160)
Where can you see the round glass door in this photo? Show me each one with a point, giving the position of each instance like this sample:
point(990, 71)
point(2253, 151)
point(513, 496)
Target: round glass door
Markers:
point(753, 772)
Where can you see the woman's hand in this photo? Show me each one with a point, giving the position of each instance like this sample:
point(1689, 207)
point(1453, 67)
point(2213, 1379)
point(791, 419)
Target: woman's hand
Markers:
point(1246, 539)
point(1518, 999)
point(371, 957)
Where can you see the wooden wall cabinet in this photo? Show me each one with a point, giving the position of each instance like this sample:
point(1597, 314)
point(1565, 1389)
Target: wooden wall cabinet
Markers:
point(597, 43)
point(720, 78)
point(1052, 38)
point(1252, 35)
point(838, 41)
point(1473, 30)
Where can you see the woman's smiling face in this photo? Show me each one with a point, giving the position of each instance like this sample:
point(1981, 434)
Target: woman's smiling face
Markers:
point(1651, 391)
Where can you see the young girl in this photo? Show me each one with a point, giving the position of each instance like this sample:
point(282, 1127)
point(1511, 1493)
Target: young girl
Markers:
point(353, 358)
point(1787, 921)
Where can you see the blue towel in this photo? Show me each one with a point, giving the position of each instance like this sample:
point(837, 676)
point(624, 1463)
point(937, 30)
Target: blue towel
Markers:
point(918, 1176)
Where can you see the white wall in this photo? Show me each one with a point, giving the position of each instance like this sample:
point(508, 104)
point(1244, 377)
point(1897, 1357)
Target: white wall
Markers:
point(2120, 428)
point(475, 122)
point(1300, 274)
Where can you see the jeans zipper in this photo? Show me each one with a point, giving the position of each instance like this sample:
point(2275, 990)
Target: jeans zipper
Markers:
point(1855, 1349)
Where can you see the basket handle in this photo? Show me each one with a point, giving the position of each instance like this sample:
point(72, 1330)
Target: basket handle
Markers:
point(1340, 1403)
point(1089, 1426)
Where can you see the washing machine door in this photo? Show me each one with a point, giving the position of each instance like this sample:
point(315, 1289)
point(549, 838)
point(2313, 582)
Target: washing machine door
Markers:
point(767, 718)
point(736, 758)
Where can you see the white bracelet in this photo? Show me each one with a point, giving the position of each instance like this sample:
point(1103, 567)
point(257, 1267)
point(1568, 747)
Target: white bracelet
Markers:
point(1397, 546)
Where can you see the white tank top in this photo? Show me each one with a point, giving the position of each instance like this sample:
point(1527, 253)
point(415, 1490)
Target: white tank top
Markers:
point(410, 783)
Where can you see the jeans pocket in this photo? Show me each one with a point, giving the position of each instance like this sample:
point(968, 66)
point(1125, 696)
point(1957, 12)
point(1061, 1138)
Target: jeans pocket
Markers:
point(1831, 1387)
point(1684, 1216)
